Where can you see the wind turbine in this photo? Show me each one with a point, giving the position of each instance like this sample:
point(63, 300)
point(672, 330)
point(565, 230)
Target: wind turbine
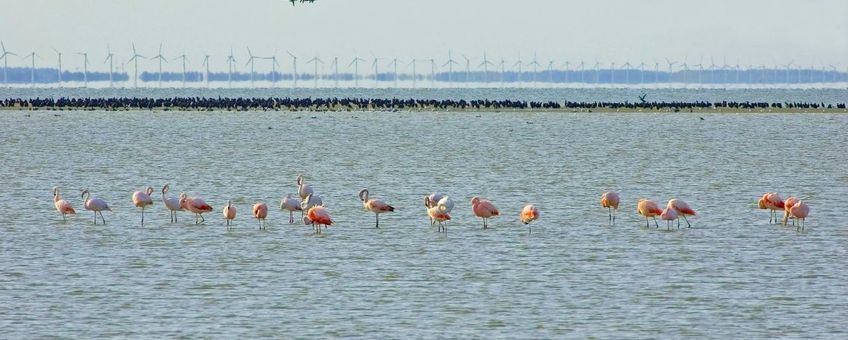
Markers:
point(32, 56)
point(315, 60)
point(518, 63)
point(206, 64)
point(414, 74)
point(597, 71)
point(656, 72)
point(642, 72)
point(60, 65)
point(566, 64)
point(551, 71)
point(274, 65)
point(534, 64)
point(134, 59)
point(336, 72)
point(84, 67)
point(376, 66)
point(161, 59)
point(449, 64)
point(185, 60)
point(394, 62)
point(467, 69)
point(355, 63)
point(109, 57)
point(612, 73)
point(502, 65)
point(294, 69)
point(252, 62)
point(583, 72)
point(485, 64)
point(432, 73)
point(670, 69)
point(231, 60)
point(5, 57)
point(627, 67)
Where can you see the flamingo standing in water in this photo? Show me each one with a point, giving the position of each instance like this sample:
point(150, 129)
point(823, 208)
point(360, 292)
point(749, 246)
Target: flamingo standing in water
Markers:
point(303, 189)
point(62, 206)
point(787, 205)
point(290, 204)
point(439, 214)
point(172, 203)
point(483, 208)
point(310, 201)
point(196, 205)
point(375, 205)
point(648, 209)
point(95, 204)
point(431, 201)
point(682, 209)
point(318, 216)
point(669, 214)
point(260, 212)
point(610, 201)
point(529, 214)
point(772, 202)
point(229, 213)
point(800, 211)
point(142, 199)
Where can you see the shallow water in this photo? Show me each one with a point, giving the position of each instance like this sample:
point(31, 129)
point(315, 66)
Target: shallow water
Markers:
point(730, 275)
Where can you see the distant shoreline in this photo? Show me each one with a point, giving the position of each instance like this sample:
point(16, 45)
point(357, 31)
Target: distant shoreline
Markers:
point(200, 104)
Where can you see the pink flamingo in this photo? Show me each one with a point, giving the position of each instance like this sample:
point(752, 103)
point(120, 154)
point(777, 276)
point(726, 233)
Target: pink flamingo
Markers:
point(682, 209)
point(290, 204)
point(318, 216)
point(610, 201)
point(62, 206)
point(529, 214)
point(483, 208)
point(431, 201)
point(375, 205)
point(172, 203)
point(303, 189)
point(669, 214)
point(790, 201)
point(772, 202)
point(648, 209)
point(142, 199)
point(229, 212)
point(196, 205)
point(260, 212)
point(439, 214)
point(95, 204)
point(800, 211)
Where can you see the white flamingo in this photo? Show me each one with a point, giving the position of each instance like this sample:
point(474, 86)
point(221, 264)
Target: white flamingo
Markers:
point(142, 199)
point(95, 204)
point(172, 203)
point(290, 204)
point(303, 189)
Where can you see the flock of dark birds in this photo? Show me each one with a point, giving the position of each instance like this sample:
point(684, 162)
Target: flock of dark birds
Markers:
point(359, 104)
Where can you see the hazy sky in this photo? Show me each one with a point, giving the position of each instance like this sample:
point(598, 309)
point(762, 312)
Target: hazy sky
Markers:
point(807, 32)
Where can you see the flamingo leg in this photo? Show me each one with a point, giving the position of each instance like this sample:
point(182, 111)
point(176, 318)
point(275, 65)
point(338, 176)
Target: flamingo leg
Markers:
point(142, 216)
point(101, 217)
point(688, 225)
point(377, 216)
point(610, 216)
point(63, 218)
point(613, 216)
point(95, 218)
point(655, 222)
point(201, 218)
point(646, 222)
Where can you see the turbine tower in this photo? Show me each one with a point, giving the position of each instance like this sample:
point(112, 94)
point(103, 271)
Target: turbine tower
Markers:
point(394, 63)
point(355, 64)
point(535, 64)
point(450, 64)
point(109, 57)
point(274, 65)
point(84, 67)
point(432, 73)
point(519, 64)
point(670, 69)
point(315, 61)
point(206, 64)
point(485, 64)
point(252, 62)
point(502, 65)
point(185, 60)
point(336, 72)
point(376, 65)
point(134, 59)
point(59, 73)
point(32, 56)
point(414, 74)
point(5, 57)
point(231, 60)
point(467, 70)
point(294, 69)
point(161, 59)
point(566, 64)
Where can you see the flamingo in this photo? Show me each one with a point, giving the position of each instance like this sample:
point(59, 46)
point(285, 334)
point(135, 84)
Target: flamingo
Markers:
point(788, 204)
point(529, 214)
point(310, 201)
point(772, 202)
point(669, 214)
point(196, 205)
point(95, 204)
point(229, 212)
point(375, 205)
point(648, 209)
point(483, 208)
point(800, 211)
point(610, 201)
point(318, 216)
point(439, 213)
point(447, 202)
point(431, 201)
point(62, 206)
point(142, 199)
point(682, 209)
point(260, 212)
point(303, 189)
point(172, 203)
point(291, 204)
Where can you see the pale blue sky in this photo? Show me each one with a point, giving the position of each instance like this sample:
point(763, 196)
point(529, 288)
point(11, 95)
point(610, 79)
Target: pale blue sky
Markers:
point(809, 32)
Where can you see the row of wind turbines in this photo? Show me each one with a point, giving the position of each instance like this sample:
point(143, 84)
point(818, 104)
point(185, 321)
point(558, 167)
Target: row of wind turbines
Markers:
point(486, 71)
